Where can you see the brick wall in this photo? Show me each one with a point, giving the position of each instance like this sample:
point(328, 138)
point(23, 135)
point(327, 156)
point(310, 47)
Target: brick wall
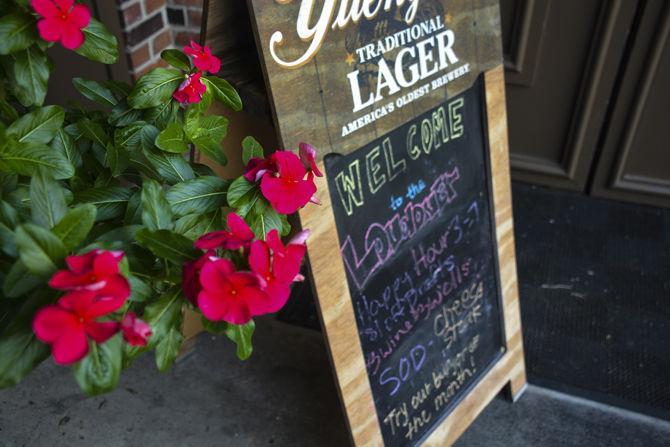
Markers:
point(150, 26)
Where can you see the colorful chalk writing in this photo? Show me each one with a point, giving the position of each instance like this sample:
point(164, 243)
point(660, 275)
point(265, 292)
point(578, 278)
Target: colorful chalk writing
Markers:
point(413, 216)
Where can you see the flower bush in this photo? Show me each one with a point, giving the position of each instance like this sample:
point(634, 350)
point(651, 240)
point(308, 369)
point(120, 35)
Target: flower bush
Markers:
point(109, 228)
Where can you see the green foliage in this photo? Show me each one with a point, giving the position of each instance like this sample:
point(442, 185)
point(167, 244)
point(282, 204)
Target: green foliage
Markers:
point(40, 250)
point(177, 59)
point(223, 92)
point(99, 45)
point(155, 88)
point(95, 91)
point(28, 72)
point(17, 32)
point(100, 370)
point(123, 178)
point(250, 149)
point(241, 335)
point(156, 211)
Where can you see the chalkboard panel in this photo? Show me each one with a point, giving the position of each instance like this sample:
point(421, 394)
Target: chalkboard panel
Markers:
point(413, 215)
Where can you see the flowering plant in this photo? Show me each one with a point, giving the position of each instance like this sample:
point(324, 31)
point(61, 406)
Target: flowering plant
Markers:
point(109, 227)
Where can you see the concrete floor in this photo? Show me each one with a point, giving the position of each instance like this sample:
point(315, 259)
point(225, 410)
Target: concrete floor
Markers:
point(283, 396)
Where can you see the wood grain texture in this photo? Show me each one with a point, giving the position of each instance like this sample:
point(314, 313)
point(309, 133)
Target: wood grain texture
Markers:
point(337, 312)
point(318, 92)
point(338, 319)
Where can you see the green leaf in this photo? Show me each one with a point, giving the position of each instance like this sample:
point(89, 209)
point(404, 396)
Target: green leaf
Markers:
point(214, 327)
point(75, 226)
point(164, 114)
point(165, 317)
point(40, 250)
point(195, 225)
point(19, 281)
point(241, 192)
point(93, 131)
point(110, 201)
point(155, 88)
point(99, 44)
point(95, 91)
point(64, 144)
point(25, 158)
point(133, 213)
point(211, 149)
point(8, 240)
point(47, 199)
point(223, 92)
point(172, 139)
point(122, 115)
point(263, 218)
point(250, 149)
point(200, 195)
point(20, 353)
point(120, 89)
point(28, 74)
point(168, 349)
point(38, 126)
point(117, 159)
point(241, 334)
point(177, 59)
point(137, 136)
point(172, 167)
point(140, 292)
point(17, 32)
point(156, 211)
point(167, 244)
point(100, 370)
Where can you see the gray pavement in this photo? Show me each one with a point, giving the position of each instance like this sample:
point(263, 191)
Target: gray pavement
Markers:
point(283, 396)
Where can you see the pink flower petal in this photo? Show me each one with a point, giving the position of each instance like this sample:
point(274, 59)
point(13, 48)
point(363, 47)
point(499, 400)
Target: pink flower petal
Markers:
point(239, 227)
point(100, 332)
point(51, 322)
point(72, 37)
point(80, 16)
point(45, 8)
point(71, 347)
point(49, 29)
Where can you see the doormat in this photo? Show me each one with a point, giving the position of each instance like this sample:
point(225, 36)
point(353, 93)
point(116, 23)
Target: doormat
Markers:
point(594, 280)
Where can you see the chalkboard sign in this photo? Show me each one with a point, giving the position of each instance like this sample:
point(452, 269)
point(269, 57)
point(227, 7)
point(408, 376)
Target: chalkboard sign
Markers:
point(411, 253)
point(413, 216)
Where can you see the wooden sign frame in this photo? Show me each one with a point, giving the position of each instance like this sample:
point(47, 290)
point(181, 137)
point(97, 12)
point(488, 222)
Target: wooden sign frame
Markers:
point(329, 279)
point(337, 314)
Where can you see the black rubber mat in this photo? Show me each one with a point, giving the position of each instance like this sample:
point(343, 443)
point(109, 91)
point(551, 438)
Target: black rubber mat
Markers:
point(595, 296)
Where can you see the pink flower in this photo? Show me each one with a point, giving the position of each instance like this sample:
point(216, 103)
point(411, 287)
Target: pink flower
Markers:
point(288, 190)
point(288, 258)
point(229, 295)
point(191, 90)
point(239, 236)
point(135, 331)
point(96, 271)
point(67, 325)
point(62, 20)
point(308, 158)
point(276, 272)
point(191, 276)
point(203, 58)
point(257, 167)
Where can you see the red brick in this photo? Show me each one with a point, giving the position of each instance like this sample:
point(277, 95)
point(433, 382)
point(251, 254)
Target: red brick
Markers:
point(184, 37)
point(152, 5)
point(132, 14)
point(139, 56)
point(195, 17)
point(162, 41)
